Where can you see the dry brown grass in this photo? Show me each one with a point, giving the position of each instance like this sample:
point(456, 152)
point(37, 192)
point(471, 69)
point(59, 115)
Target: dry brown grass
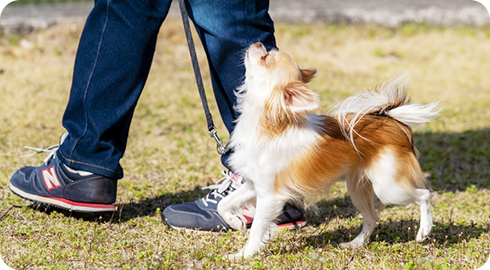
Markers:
point(169, 156)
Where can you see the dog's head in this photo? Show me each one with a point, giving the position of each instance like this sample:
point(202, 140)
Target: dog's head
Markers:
point(276, 81)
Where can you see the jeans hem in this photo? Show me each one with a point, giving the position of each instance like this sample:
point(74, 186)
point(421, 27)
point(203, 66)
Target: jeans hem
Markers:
point(84, 166)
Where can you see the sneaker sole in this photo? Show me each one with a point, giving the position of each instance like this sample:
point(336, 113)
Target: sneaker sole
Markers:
point(64, 203)
point(295, 225)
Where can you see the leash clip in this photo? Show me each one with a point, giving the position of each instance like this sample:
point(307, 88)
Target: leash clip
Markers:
point(213, 132)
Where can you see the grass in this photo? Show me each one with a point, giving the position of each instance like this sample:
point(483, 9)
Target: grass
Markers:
point(170, 157)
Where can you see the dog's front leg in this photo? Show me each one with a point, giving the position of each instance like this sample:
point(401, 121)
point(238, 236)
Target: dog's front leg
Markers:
point(268, 208)
point(230, 207)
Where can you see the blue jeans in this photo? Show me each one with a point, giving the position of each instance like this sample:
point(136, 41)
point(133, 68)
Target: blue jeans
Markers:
point(114, 58)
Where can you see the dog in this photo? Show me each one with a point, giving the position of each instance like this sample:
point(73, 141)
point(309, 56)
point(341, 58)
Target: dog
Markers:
point(288, 154)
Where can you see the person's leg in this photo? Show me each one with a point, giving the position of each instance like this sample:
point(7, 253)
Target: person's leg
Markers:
point(226, 29)
point(111, 67)
point(112, 64)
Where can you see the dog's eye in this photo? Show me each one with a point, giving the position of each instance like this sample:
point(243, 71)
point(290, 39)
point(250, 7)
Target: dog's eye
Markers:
point(264, 56)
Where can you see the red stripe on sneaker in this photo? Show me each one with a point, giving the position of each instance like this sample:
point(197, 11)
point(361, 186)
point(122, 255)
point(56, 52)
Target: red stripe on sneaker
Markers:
point(292, 224)
point(64, 203)
point(91, 205)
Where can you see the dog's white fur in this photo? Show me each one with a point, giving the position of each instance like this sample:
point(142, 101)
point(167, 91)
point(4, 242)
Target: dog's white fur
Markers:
point(276, 137)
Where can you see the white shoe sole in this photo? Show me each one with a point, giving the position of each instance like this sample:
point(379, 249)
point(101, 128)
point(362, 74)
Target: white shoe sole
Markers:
point(64, 203)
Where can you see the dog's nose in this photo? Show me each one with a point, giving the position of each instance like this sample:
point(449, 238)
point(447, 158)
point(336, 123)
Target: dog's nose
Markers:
point(258, 48)
point(258, 45)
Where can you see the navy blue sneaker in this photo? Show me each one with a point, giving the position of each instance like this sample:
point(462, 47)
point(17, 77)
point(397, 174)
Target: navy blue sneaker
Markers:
point(203, 214)
point(54, 183)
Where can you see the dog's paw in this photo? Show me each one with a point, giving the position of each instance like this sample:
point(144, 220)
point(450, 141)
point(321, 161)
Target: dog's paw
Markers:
point(354, 244)
point(422, 234)
point(361, 240)
point(236, 222)
point(235, 257)
point(351, 245)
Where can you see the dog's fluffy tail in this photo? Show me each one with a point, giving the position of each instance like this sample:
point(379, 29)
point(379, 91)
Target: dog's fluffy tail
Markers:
point(389, 100)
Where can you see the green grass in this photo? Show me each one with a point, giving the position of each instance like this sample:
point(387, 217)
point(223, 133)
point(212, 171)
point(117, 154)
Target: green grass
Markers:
point(170, 157)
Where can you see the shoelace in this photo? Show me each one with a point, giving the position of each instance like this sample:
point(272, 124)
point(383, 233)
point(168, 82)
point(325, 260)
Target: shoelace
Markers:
point(217, 189)
point(51, 150)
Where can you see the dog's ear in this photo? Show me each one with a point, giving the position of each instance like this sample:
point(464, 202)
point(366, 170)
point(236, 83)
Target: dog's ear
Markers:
point(307, 74)
point(299, 98)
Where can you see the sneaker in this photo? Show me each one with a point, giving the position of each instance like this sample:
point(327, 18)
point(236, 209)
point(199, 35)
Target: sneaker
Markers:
point(203, 215)
point(56, 184)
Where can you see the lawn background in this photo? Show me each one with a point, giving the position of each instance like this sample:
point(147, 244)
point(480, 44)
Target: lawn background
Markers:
point(170, 157)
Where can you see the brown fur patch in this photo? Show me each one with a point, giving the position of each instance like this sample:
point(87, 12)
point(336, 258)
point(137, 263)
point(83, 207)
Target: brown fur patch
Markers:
point(277, 117)
point(334, 156)
point(307, 75)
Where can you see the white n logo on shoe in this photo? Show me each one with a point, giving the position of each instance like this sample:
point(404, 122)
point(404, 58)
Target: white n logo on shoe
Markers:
point(50, 178)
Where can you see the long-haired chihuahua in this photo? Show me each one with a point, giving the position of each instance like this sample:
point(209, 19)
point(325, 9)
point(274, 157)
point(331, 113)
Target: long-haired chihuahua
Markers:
point(288, 154)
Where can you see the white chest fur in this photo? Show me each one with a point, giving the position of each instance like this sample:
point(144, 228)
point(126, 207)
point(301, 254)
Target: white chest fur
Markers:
point(258, 157)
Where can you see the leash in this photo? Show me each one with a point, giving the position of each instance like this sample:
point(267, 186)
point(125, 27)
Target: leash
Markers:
point(212, 130)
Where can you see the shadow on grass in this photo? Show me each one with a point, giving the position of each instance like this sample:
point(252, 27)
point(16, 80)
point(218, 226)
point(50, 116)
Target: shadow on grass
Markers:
point(332, 226)
point(128, 211)
point(455, 161)
point(336, 212)
point(390, 232)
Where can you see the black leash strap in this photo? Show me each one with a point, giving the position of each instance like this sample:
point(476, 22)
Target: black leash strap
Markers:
point(212, 131)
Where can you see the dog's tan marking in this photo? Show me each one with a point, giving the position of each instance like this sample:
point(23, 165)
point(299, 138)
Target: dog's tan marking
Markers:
point(334, 156)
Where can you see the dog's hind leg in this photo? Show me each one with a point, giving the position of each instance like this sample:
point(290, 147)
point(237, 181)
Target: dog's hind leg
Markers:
point(398, 180)
point(362, 195)
point(422, 197)
point(229, 208)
